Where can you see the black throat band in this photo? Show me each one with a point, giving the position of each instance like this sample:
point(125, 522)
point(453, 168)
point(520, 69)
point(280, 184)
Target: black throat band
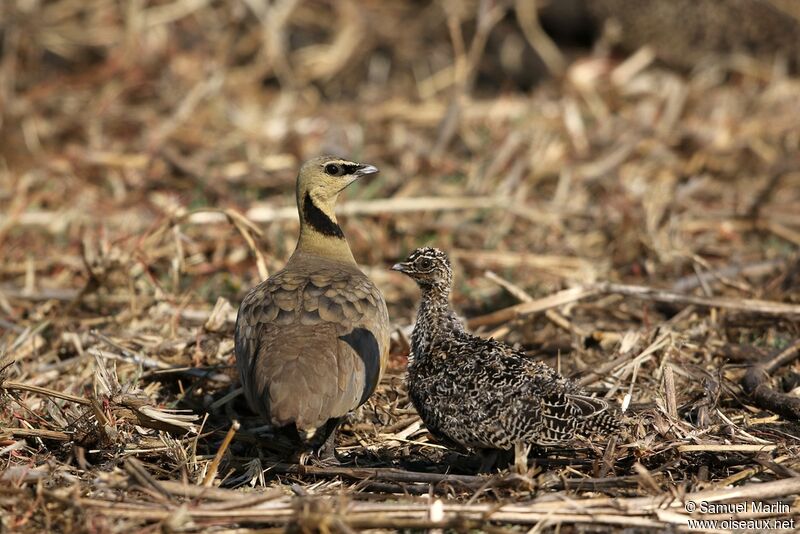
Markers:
point(318, 220)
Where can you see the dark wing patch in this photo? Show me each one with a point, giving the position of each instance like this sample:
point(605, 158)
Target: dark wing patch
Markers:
point(318, 220)
point(366, 346)
point(246, 347)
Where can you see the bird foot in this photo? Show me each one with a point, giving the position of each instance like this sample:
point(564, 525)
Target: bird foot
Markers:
point(326, 455)
point(326, 461)
point(521, 451)
point(488, 461)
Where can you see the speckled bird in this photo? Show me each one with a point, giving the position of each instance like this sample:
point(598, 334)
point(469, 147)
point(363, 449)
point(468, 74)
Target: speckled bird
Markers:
point(482, 394)
point(312, 340)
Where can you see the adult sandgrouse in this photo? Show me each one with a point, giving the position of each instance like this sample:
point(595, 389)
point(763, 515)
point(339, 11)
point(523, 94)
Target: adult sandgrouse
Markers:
point(482, 394)
point(312, 340)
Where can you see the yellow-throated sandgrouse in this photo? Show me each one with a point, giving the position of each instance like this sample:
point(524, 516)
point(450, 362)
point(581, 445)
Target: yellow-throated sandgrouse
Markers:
point(479, 393)
point(312, 340)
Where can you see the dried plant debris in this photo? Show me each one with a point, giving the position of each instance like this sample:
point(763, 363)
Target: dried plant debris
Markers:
point(631, 225)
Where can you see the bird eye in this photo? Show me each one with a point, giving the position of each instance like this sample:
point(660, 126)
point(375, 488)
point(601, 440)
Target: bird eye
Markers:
point(425, 263)
point(333, 169)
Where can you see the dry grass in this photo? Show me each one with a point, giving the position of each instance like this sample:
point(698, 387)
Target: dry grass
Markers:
point(635, 226)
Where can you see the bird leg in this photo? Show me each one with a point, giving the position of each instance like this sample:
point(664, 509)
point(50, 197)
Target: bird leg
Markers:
point(521, 451)
point(326, 454)
point(488, 460)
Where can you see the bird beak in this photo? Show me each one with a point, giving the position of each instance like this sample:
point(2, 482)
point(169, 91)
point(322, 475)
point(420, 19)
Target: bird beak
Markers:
point(364, 170)
point(399, 267)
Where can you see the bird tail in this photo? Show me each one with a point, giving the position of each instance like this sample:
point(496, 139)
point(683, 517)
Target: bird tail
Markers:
point(598, 415)
point(605, 422)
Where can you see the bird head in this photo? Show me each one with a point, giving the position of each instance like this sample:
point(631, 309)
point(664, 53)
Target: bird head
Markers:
point(323, 178)
point(318, 185)
point(428, 267)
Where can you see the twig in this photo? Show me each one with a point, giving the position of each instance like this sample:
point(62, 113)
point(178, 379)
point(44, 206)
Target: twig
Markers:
point(150, 363)
point(18, 386)
point(755, 383)
point(528, 17)
point(216, 494)
point(750, 471)
point(528, 308)
point(265, 214)
point(669, 391)
point(212, 469)
point(518, 293)
point(690, 282)
point(660, 511)
point(135, 468)
point(724, 447)
point(35, 433)
point(753, 306)
point(384, 474)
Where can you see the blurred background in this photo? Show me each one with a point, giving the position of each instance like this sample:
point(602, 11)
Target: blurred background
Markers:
point(149, 148)
point(577, 139)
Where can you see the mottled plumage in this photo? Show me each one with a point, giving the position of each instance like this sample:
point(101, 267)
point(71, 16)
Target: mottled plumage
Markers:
point(312, 340)
point(480, 393)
